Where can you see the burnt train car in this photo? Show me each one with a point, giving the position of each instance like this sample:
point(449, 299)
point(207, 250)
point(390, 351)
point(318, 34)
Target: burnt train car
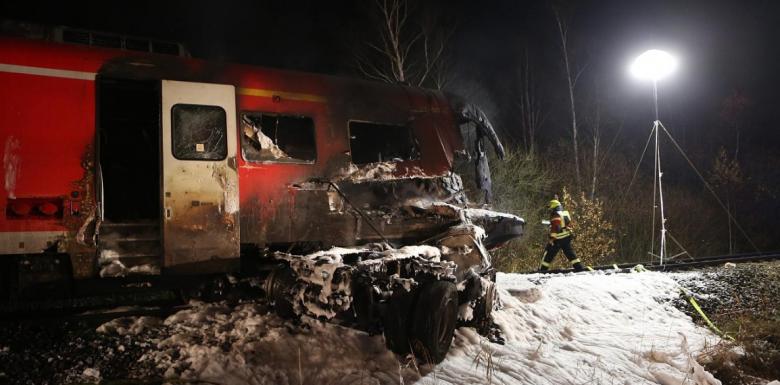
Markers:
point(125, 157)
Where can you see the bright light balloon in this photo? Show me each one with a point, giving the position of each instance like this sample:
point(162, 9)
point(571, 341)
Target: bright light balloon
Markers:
point(653, 65)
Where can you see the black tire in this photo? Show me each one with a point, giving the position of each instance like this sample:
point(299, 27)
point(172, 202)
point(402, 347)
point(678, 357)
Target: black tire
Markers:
point(396, 320)
point(277, 285)
point(435, 317)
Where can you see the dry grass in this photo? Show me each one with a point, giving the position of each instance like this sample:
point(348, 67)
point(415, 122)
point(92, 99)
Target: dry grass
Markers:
point(754, 355)
point(485, 356)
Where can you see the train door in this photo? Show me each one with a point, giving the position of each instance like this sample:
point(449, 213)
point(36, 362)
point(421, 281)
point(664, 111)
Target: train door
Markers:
point(128, 176)
point(199, 177)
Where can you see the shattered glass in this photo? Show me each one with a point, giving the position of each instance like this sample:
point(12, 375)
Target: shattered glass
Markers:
point(199, 132)
point(277, 138)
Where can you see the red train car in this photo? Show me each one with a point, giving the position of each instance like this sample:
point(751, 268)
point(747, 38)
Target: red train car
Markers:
point(122, 160)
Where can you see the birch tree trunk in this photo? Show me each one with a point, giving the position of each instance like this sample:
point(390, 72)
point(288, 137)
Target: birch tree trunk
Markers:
point(531, 114)
point(571, 80)
point(596, 144)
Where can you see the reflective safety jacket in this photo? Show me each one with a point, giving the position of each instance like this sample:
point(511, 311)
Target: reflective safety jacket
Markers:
point(560, 223)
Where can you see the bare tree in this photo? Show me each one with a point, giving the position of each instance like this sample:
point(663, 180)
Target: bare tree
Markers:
point(531, 114)
point(727, 175)
point(571, 79)
point(733, 114)
point(406, 51)
point(596, 139)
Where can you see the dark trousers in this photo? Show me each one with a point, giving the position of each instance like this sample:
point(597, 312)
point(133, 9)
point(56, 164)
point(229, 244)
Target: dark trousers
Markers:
point(552, 250)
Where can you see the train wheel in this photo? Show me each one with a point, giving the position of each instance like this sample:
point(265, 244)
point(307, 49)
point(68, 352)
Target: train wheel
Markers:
point(396, 321)
point(277, 287)
point(434, 321)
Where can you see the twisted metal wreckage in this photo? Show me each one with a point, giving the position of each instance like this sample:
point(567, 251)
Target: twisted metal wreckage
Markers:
point(337, 195)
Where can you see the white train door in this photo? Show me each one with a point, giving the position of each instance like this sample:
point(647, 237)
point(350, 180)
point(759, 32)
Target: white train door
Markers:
point(199, 177)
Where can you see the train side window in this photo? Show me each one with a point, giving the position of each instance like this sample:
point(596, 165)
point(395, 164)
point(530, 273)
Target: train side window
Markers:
point(199, 132)
point(267, 137)
point(378, 142)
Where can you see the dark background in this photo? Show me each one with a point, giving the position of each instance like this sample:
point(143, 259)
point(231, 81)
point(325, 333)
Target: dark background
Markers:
point(722, 45)
point(725, 48)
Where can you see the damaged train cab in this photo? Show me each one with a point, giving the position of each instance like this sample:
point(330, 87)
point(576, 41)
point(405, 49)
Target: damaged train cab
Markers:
point(132, 159)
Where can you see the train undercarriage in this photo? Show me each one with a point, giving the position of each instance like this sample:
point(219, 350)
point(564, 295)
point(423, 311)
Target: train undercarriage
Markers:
point(348, 208)
point(414, 294)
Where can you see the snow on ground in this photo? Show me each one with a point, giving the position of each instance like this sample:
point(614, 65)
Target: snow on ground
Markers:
point(587, 328)
point(246, 345)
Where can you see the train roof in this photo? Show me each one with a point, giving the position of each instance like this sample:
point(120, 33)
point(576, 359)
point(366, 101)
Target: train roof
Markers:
point(108, 55)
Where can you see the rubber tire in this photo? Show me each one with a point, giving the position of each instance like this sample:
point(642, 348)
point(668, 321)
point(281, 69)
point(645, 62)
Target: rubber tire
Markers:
point(434, 320)
point(281, 279)
point(396, 320)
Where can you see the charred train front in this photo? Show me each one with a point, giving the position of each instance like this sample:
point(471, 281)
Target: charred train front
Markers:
point(339, 193)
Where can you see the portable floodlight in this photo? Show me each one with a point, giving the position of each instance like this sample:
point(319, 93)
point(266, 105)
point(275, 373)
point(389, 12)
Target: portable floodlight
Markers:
point(653, 65)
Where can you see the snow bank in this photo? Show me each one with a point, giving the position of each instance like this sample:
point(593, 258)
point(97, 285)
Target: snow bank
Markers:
point(585, 328)
point(245, 345)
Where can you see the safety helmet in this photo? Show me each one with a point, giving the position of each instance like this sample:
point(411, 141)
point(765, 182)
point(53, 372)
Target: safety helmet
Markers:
point(554, 203)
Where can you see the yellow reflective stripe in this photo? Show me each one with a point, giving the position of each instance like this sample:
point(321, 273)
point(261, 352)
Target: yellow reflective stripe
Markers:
point(576, 260)
point(564, 215)
point(589, 268)
point(282, 94)
point(545, 264)
point(712, 326)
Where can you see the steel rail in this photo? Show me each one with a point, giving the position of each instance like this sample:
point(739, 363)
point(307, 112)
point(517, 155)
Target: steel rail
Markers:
point(687, 264)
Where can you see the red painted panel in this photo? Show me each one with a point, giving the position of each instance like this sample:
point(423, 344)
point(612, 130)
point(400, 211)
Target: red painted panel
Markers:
point(53, 121)
point(46, 125)
point(52, 55)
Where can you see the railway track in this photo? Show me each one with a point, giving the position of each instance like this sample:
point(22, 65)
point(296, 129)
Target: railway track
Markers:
point(162, 300)
point(690, 263)
point(107, 299)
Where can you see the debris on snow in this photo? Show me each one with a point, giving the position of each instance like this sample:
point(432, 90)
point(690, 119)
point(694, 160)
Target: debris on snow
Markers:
point(92, 374)
point(324, 279)
point(562, 329)
point(116, 268)
point(379, 171)
point(246, 345)
point(128, 325)
point(324, 283)
point(112, 266)
point(372, 171)
point(583, 328)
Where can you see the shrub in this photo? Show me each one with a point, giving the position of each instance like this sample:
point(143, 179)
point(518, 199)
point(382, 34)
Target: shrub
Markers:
point(594, 234)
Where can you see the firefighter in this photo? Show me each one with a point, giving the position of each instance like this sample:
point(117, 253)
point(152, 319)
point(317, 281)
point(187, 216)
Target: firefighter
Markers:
point(560, 237)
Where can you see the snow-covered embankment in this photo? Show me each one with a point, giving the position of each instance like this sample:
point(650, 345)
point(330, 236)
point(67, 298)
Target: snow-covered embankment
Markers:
point(587, 328)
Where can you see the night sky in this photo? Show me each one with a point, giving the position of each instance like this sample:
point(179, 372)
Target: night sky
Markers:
point(723, 46)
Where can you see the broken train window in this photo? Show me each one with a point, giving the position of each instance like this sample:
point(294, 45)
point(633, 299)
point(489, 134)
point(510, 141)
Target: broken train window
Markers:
point(199, 132)
point(267, 137)
point(378, 142)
